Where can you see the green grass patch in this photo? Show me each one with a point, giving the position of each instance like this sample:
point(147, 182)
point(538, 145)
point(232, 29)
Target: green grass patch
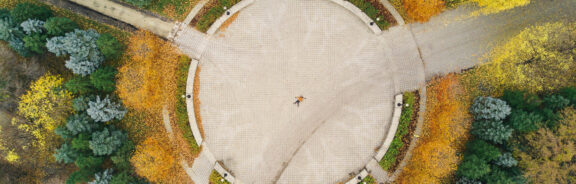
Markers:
point(174, 9)
point(389, 159)
point(216, 178)
point(368, 180)
point(215, 11)
point(181, 112)
point(376, 15)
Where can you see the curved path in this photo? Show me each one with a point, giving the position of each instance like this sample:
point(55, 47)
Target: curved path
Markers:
point(278, 49)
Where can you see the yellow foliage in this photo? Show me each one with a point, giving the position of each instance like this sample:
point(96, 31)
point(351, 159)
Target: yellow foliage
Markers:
point(147, 81)
point(422, 10)
point(540, 58)
point(44, 106)
point(445, 127)
point(495, 6)
point(153, 159)
point(12, 156)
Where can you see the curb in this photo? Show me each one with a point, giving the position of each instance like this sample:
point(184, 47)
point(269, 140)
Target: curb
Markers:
point(399, 20)
point(360, 14)
point(373, 163)
point(190, 102)
point(233, 10)
point(393, 127)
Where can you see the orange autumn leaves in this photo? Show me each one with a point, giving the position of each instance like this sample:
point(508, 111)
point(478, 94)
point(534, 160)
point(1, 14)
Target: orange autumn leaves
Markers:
point(422, 10)
point(147, 83)
point(148, 80)
point(435, 157)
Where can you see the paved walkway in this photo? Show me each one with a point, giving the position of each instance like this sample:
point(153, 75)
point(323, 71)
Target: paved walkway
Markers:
point(453, 41)
point(131, 16)
point(278, 49)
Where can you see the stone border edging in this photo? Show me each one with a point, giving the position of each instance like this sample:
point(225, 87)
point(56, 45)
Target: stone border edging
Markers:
point(393, 11)
point(358, 178)
point(418, 131)
point(194, 11)
point(398, 102)
point(360, 14)
point(231, 11)
point(190, 102)
point(224, 173)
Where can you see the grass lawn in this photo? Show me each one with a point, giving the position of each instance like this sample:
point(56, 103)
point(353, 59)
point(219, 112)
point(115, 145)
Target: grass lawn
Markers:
point(393, 156)
point(181, 112)
point(216, 178)
point(376, 11)
point(368, 180)
point(212, 11)
point(174, 9)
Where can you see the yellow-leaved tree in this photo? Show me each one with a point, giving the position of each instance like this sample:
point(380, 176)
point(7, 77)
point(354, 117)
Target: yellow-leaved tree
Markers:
point(44, 106)
point(495, 6)
point(540, 58)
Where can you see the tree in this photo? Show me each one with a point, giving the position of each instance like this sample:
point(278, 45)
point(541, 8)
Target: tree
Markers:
point(482, 150)
point(45, 106)
point(446, 126)
point(493, 131)
point(82, 142)
point(555, 102)
point(538, 59)
point(32, 26)
point(109, 46)
point(107, 141)
point(85, 57)
point(102, 177)
point(105, 110)
point(521, 100)
point(79, 123)
point(35, 42)
point(421, 11)
point(104, 79)
point(148, 81)
point(25, 11)
point(153, 160)
point(121, 158)
point(500, 176)
point(65, 154)
point(464, 180)
point(81, 103)
point(548, 158)
point(569, 93)
point(9, 30)
point(495, 6)
point(89, 161)
point(506, 160)
point(488, 108)
point(58, 26)
point(63, 132)
point(20, 47)
point(81, 176)
point(473, 167)
point(79, 85)
point(523, 122)
point(122, 178)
